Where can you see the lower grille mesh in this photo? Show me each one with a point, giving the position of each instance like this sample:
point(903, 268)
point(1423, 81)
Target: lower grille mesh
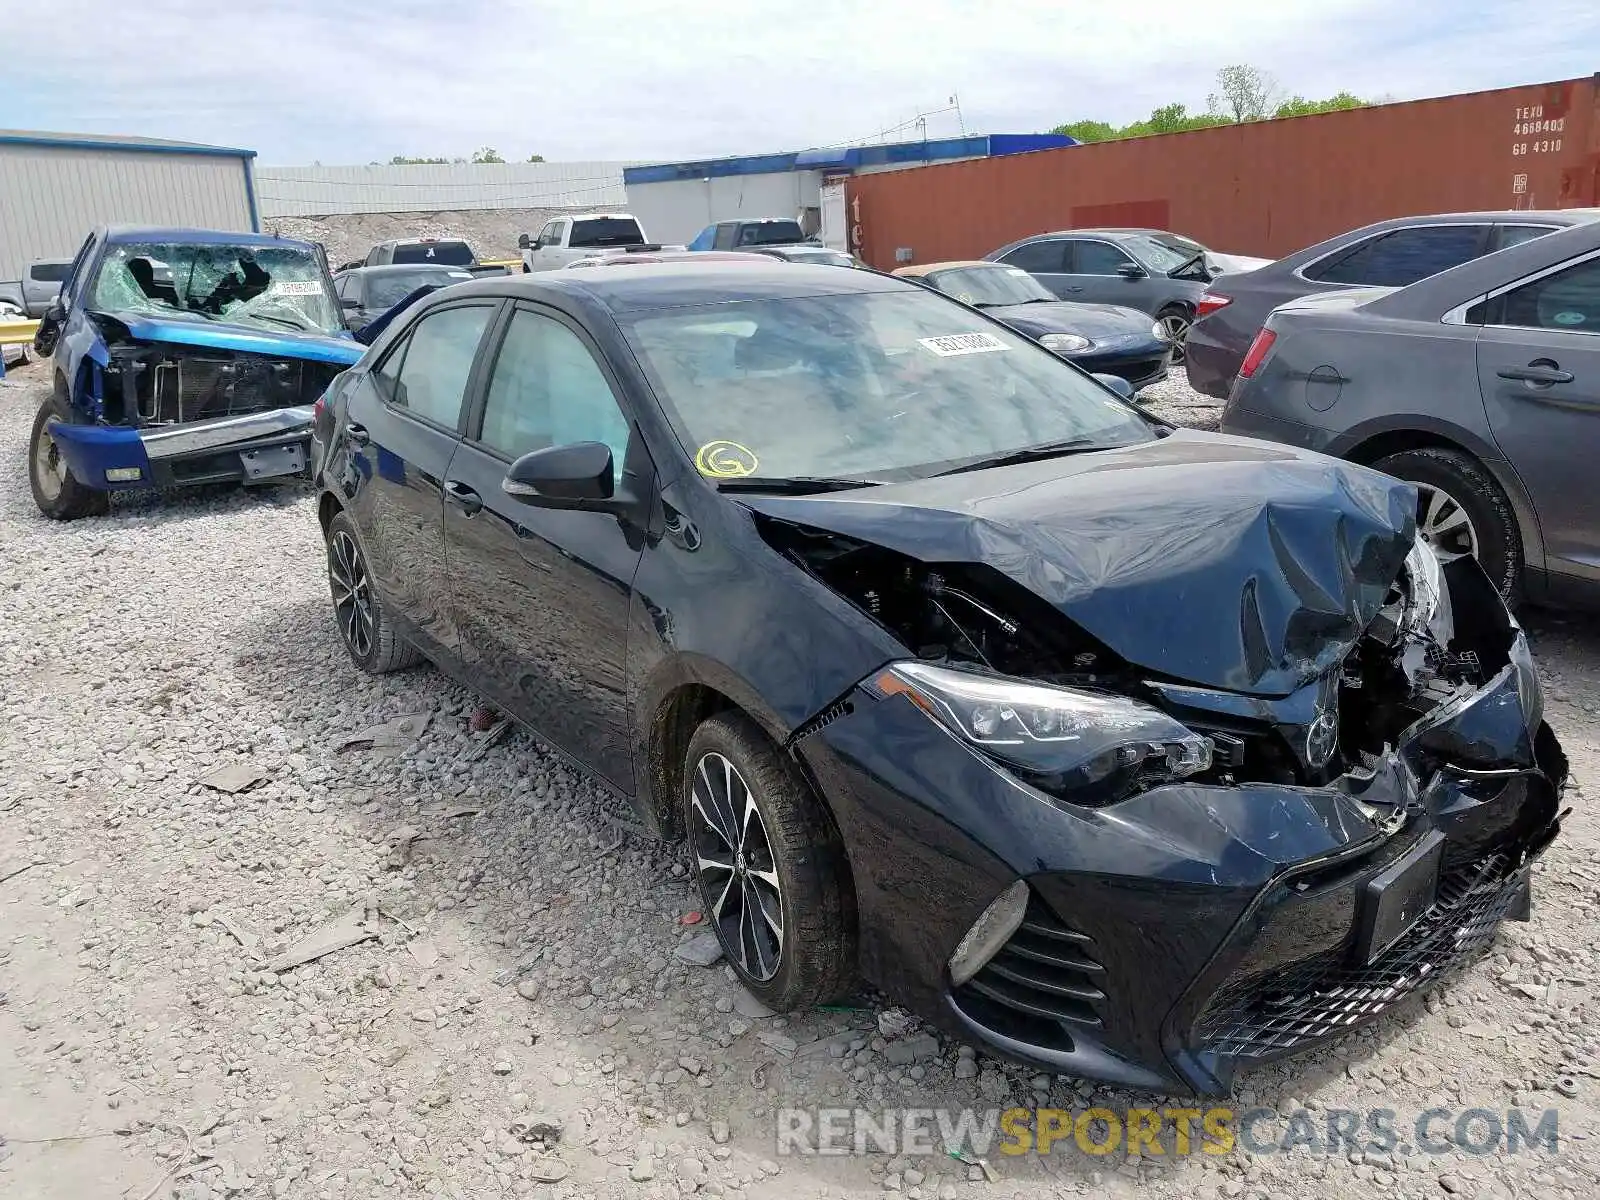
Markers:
point(1325, 996)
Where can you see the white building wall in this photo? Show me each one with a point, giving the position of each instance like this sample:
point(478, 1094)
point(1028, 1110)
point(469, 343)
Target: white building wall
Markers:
point(52, 196)
point(442, 187)
point(674, 211)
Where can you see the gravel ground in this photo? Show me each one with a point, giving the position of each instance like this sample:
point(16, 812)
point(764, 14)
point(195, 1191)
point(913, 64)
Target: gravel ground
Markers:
point(518, 1020)
point(491, 232)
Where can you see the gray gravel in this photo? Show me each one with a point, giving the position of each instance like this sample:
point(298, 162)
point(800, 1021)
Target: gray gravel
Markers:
point(507, 1013)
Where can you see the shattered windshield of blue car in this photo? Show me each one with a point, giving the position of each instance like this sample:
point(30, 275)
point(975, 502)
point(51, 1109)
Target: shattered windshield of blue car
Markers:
point(271, 287)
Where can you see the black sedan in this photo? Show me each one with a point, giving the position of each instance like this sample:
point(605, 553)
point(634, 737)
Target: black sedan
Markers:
point(1103, 339)
point(1129, 751)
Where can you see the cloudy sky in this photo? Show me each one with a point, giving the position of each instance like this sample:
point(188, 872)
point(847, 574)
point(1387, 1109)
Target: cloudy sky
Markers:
point(352, 81)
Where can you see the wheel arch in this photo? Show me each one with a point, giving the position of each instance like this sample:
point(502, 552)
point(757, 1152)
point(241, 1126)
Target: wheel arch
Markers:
point(1373, 441)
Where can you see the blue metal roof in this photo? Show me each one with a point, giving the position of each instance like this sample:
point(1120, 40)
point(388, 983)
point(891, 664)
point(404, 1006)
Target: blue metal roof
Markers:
point(96, 141)
point(849, 158)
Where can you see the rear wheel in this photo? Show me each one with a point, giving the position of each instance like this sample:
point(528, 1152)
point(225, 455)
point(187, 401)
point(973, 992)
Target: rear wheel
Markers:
point(57, 492)
point(1462, 511)
point(770, 865)
point(1176, 321)
point(368, 636)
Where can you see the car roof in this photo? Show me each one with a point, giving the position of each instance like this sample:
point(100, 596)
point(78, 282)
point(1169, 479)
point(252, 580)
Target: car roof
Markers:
point(648, 287)
point(953, 264)
point(179, 235)
point(423, 241)
point(403, 269)
point(616, 258)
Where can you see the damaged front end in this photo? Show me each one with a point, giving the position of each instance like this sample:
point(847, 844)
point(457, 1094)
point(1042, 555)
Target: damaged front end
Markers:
point(197, 362)
point(1104, 869)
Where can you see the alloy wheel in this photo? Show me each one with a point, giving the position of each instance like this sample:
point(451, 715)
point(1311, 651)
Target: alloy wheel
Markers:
point(49, 468)
point(1177, 327)
point(352, 593)
point(1444, 524)
point(735, 867)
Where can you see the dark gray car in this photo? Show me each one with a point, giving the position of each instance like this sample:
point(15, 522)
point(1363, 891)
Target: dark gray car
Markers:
point(366, 293)
point(1481, 385)
point(1128, 267)
point(1392, 253)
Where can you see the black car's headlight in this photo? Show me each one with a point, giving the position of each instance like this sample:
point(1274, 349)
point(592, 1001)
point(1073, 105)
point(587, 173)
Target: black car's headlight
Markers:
point(1087, 747)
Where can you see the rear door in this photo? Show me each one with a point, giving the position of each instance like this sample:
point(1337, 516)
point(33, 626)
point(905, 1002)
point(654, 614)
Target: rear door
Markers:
point(544, 594)
point(404, 419)
point(1539, 370)
point(1046, 260)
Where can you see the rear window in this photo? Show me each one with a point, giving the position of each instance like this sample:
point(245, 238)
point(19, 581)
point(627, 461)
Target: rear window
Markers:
point(48, 272)
point(606, 231)
point(449, 254)
point(771, 233)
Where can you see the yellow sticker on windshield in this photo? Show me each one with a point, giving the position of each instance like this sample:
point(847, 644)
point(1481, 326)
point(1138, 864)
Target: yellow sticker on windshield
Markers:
point(725, 460)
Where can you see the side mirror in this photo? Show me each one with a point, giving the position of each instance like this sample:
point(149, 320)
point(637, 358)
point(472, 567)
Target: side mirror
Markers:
point(523, 241)
point(1117, 384)
point(577, 475)
point(1131, 271)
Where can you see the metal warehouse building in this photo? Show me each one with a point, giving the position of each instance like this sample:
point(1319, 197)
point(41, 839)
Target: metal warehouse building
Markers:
point(55, 187)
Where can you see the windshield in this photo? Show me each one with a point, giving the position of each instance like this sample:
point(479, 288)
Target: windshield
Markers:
point(770, 233)
point(387, 290)
point(606, 231)
point(1158, 255)
point(270, 287)
point(990, 285)
point(884, 385)
point(446, 254)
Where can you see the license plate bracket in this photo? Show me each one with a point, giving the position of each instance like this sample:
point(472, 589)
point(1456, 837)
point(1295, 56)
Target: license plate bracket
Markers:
point(1395, 899)
point(271, 462)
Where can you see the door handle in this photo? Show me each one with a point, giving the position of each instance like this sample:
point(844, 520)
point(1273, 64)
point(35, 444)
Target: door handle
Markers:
point(463, 497)
point(357, 434)
point(1539, 371)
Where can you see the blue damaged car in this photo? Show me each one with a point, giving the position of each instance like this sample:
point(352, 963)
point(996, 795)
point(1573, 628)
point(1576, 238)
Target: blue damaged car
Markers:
point(182, 356)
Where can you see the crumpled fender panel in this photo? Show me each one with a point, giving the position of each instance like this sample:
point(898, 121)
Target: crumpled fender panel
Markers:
point(1225, 562)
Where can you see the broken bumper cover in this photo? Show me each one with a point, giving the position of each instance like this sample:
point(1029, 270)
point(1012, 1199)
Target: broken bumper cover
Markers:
point(1192, 930)
point(252, 446)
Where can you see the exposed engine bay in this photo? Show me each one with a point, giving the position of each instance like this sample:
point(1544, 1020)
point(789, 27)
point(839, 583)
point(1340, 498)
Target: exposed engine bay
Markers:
point(1409, 661)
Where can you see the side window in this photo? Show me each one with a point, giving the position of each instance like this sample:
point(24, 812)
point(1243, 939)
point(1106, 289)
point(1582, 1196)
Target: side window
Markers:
point(1047, 258)
point(547, 390)
point(341, 286)
point(553, 233)
point(1403, 256)
point(75, 272)
point(427, 374)
point(725, 234)
point(1096, 258)
point(1515, 235)
point(1566, 302)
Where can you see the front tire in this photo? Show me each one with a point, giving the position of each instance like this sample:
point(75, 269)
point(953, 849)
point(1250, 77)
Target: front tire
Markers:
point(770, 865)
point(1462, 511)
point(364, 628)
point(1176, 320)
point(57, 492)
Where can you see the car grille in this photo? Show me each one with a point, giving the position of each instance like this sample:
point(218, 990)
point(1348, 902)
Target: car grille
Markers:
point(1322, 997)
point(1045, 979)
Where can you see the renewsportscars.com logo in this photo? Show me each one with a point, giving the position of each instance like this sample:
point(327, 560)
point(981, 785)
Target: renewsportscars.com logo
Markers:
point(1173, 1131)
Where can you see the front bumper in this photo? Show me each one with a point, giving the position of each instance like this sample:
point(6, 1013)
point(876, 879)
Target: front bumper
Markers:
point(1141, 366)
point(1196, 929)
point(254, 446)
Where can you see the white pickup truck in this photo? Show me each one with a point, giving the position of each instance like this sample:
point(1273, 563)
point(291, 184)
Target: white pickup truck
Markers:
point(567, 239)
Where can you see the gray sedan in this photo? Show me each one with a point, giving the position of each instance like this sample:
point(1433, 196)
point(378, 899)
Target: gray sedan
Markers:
point(1480, 385)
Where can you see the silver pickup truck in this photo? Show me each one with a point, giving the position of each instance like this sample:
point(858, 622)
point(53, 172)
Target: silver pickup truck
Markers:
point(34, 291)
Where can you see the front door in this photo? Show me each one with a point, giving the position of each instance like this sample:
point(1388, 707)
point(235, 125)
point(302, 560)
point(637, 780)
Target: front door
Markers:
point(543, 594)
point(405, 417)
point(1539, 371)
point(1093, 275)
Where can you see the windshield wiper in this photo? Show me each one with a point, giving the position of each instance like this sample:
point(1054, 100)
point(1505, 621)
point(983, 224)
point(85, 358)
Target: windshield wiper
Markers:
point(798, 485)
point(297, 326)
point(1028, 454)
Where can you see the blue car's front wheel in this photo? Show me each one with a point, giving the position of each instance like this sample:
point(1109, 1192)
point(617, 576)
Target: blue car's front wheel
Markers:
point(57, 492)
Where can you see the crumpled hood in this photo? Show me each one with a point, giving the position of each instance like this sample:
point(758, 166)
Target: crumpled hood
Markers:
point(1223, 562)
point(222, 335)
point(1097, 322)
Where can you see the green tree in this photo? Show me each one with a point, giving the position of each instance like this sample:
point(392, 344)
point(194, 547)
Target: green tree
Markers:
point(1244, 93)
point(1089, 131)
point(401, 160)
point(486, 154)
point(1299, 106)
point(535, 158)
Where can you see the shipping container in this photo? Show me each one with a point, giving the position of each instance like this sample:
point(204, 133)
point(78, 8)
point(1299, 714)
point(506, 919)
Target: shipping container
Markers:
point(1262, 188)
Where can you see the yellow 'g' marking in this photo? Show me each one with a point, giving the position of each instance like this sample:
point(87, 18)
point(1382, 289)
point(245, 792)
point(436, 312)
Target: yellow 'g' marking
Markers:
point(725, 460)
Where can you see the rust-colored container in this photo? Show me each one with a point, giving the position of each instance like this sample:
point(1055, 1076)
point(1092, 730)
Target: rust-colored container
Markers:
point(1265, 188)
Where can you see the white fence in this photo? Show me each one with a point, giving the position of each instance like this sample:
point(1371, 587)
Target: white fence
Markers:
point(321, 191)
